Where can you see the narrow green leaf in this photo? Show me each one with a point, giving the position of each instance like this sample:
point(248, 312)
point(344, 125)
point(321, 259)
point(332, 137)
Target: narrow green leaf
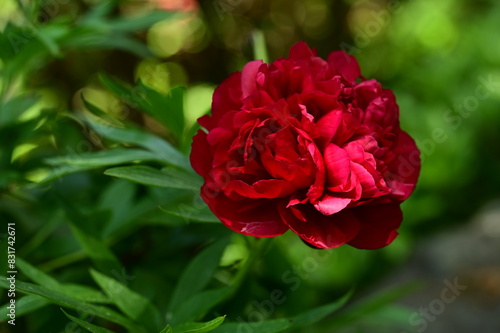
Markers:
point(135, 306)
point(167, 329)
point(124, 92)
point(83, 293)
point(373, 303)
point(265, 326)
point(72, 303)
point(167, 109)
point(24, 305)
point(162, 150)
point(192, 213)
point(103, 158)
point(58, 172)
point(167, 177)
point(198, 273)
point(37, 276)
point(133, 24)
point(200, 327)
point(84, 227)
point(99, 10)
point(199, 304)
point(85, 324)
point(312, 316)
point(14, 108)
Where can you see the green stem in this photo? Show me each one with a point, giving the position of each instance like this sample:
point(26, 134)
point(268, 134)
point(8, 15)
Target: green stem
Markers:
point(259, 46)
point(261, 245)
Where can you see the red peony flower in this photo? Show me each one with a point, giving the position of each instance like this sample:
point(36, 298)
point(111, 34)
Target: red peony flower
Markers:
point(308, 145)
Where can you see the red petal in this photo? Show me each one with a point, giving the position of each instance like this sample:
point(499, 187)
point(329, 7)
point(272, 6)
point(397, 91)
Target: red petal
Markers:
point(344, 64)
point(329, 124)
point(338, 165)
point(301, 51)
point(329, 205)
point(201, 158)
point(378, 225)
point(248, 78)
point(322, 231)
point(404, 169)
point(258, 218)
point(267, 188)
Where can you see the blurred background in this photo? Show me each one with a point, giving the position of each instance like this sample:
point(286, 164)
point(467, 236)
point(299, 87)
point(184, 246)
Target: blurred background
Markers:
point(441, 59)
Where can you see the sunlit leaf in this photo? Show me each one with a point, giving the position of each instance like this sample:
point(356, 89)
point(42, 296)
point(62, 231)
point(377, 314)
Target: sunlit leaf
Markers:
point(200, 327)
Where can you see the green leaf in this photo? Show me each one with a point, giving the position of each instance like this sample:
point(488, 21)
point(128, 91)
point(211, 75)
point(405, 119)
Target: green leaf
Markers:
point(24, 305)
point(199, 304)
point(72, 303)
point(167, 177)
point(312, 316)
point(139, 23)
point(103, 158)
point(37, 276)
point(84, 229)
point(198, 273)
point(60, 171)
point(162, 150)
point(192, 213)
point(285, 325)
point(373, 303)
point(124, 92)
point(135, 306)
point(14, 108)
point(200, 327)
point(167, 329)
point(266, 326)
point(168, 110)
point(85, 324)
point(83, 293)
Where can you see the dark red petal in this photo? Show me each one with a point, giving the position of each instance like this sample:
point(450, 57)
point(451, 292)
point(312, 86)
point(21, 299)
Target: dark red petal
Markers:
point(266, 188)
point(200, 157)
point(328, 124)
point(226, 97)
point(345, 65)
point(378, 225)
point(258, 218)
point(316, 189)
point(322, 231)
point(301, 51)
point(404, 168)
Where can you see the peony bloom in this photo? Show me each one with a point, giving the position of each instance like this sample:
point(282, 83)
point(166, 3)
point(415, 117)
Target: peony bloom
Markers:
point(307, 145)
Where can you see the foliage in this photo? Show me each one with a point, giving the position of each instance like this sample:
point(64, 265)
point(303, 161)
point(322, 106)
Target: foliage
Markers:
point(111, 234)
